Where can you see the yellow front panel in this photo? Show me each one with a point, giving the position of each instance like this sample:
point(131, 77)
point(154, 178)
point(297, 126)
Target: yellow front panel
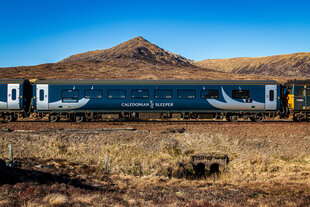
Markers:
point(290, 101)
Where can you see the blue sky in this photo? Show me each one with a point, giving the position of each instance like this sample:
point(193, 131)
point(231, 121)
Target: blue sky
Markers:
point(44, 31)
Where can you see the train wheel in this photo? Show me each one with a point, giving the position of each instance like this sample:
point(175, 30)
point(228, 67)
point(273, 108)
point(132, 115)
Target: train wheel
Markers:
point(78, 118)
point(257, 118)
point(8, 118)
point(234, 118)
point(14, 118)
point(53, 118)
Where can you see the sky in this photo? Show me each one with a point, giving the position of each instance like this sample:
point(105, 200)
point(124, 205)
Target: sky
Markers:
point(46, 31)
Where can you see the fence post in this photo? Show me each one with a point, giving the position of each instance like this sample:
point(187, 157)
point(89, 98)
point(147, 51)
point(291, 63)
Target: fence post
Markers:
point(11, 152)
point(107, 163)
point(11, 163)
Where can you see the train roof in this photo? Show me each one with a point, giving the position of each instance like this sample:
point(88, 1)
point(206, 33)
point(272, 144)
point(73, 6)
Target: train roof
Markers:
point(8, 81)
point(298, 82)
point(156, 82)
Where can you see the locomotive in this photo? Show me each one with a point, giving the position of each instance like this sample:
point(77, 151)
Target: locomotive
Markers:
point(81, 100)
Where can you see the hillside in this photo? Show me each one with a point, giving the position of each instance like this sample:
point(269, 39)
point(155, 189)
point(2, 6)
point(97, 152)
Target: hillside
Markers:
point(297, 64)
point(140, 59)
point(136, 49)
point(134, 59)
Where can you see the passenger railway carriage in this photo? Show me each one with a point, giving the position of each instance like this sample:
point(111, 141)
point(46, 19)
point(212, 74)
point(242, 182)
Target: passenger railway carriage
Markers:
point(15, 98)
point(156, 99)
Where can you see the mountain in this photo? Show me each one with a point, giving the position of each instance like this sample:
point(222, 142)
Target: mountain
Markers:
point(136, 49)
point(297, 64)
point(140, 59)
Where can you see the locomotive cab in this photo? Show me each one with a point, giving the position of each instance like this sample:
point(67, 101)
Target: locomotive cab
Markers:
point(298, 99)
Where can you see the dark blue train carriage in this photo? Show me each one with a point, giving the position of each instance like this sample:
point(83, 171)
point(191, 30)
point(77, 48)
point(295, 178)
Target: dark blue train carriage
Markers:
point(156, 99)
point(15, 98)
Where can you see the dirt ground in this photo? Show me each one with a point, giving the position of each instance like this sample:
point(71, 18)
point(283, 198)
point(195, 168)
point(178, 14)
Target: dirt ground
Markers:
point(63, 164)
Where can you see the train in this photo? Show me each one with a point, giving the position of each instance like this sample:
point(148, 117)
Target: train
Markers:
point(110, 100)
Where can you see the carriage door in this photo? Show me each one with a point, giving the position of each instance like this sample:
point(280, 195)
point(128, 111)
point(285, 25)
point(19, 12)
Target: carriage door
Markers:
point(13, 96)
point(271, 97)
point(42, 96)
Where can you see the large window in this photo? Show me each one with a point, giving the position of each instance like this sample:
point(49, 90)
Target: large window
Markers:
point(209, 94)
point(117, 93)
point(186, 94)
point(93, 94)
point(163, 94)
point(240, 94)
point(139, 93)
point(301, 92)
point(70, 96)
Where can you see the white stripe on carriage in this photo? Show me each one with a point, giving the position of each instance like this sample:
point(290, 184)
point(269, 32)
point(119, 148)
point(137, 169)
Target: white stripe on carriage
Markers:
point(232, 104)
point(59, 105)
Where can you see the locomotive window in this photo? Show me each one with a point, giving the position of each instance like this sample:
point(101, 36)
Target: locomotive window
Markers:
point(271, 95)
point(301, 92)
point(163, 93)
point(13, 94)
point(93, 94)
point(41, 95)
point(240, 94)
point(139, 93)
point(209, 94)
point(70, 96)
point(187, 94)
point(117, 93)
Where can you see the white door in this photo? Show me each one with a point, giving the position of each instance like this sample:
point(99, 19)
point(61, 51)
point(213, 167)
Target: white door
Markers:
point(13, 96)
point(42, 96)
point(271, 97)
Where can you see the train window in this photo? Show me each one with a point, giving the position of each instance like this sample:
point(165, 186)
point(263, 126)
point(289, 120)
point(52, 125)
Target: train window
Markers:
point(271, 95)
point(186, 94)
point(117, 93)
point(163, 93)
point(93, 94)
point(139, 93)
point(240, 94)
point(70, 96)
point(209, 94)
point(301, 91)
point(13, 94)
point(41, 95)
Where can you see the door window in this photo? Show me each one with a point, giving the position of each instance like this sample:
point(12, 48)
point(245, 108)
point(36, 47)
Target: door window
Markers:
point(41, 95)
point(271, 95)
point(13, 94)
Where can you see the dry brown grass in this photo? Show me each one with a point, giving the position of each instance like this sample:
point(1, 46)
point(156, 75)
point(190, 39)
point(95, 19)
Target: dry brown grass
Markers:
point(269, 162)
point(297, 64)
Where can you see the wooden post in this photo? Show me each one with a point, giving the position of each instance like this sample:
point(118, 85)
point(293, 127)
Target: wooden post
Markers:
point(11, 153)
point(107, 163)
point(140, 170)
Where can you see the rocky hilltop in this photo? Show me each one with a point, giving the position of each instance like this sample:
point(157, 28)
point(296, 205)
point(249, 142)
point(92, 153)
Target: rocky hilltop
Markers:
point(136, 49)
point(297, 64)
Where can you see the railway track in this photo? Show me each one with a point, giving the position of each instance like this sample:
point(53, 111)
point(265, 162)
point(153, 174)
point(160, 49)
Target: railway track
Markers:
point(62, 125)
